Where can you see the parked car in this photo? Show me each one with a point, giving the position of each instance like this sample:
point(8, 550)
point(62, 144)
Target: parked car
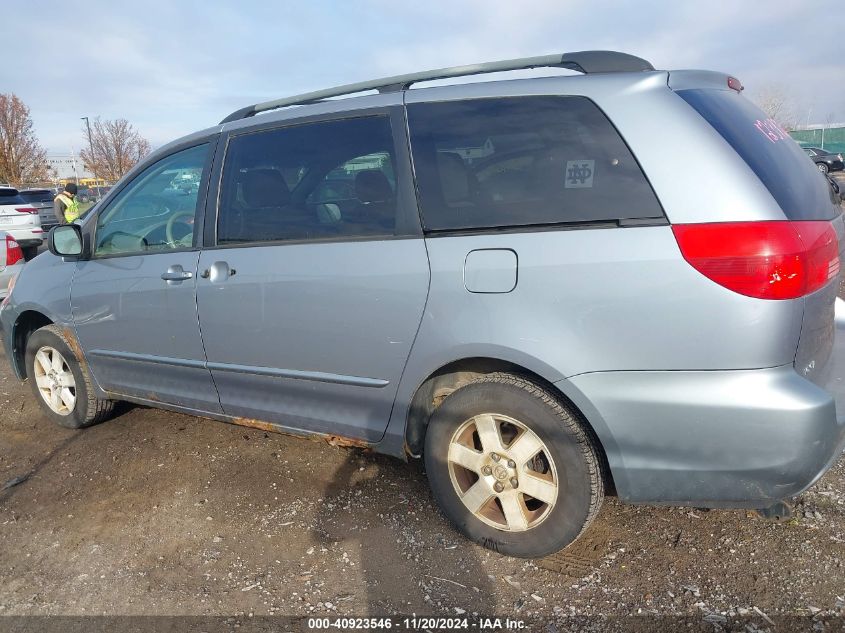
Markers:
point(517, 288)
point(11, 262)
point(824, 160)
point(92, 194)
point(85, 194)
point(42, 199)
point(20, 219)
point(101, 192)
point(839, 191)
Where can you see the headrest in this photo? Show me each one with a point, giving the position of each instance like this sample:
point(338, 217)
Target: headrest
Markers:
point(371, 185)
point(454, 177)
point(264, 188)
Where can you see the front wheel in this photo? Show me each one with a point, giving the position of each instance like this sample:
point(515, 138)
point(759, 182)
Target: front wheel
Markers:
point(60, 382)
point(823, 167)
point(512, 467)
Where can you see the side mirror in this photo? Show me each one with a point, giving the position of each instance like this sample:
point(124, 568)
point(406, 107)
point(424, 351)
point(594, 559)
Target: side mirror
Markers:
point(65, 241)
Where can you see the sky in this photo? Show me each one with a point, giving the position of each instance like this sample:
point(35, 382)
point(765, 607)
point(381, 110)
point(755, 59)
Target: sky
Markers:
point(173, 67)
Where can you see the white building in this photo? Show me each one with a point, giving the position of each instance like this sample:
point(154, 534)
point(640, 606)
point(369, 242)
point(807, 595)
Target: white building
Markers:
point(68, 165)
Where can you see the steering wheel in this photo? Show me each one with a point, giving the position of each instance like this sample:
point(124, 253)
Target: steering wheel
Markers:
point(168, 228)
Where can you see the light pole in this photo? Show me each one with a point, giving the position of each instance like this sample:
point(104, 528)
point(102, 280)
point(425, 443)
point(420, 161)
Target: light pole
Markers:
point(73, 165)
point(90, 147)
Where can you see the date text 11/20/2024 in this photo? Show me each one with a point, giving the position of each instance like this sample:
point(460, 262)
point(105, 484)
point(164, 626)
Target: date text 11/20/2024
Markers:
point(414, 623)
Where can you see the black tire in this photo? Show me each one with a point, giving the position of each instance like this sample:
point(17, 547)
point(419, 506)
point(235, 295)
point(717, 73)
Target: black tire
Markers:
point(88, 409)
point(569, 445)
point(823, 167)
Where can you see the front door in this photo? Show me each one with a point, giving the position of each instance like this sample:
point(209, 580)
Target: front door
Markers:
point(134, 301)
point(311, 297)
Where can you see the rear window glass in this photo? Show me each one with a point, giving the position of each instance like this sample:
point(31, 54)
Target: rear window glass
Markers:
point(10, 196)
point(523, 161)
point(37, 196)
point(784, 168)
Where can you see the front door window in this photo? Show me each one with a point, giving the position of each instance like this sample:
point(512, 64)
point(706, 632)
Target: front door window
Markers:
point(156, 211)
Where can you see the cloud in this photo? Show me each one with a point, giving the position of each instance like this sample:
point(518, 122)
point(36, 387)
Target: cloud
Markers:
point(172, 68)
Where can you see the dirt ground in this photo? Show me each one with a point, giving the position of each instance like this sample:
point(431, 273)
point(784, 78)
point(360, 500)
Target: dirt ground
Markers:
point(156, 513)
point(160, 513)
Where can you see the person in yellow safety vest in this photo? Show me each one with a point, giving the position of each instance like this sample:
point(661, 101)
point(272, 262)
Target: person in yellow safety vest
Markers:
point(65, 205)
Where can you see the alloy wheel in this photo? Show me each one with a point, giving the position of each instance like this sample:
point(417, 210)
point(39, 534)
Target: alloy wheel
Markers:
point(54, 380)
point(502, 472)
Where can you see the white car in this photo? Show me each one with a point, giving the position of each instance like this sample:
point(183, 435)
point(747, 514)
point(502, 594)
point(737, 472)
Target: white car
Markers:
point(11, 262)
point(20, 220)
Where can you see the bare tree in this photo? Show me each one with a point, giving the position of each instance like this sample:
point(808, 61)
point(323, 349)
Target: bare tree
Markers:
point(22, 159)
point(115, 147)
point(775, 102)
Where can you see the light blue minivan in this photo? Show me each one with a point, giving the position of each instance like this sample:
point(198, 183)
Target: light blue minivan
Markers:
point(525, 282)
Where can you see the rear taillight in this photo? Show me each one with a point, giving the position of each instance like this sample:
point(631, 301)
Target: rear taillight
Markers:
point(26, 210)
point(14, 254)
point(766, 260)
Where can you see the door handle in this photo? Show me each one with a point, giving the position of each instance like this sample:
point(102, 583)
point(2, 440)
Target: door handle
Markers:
point(176, 274)
point(218, 271)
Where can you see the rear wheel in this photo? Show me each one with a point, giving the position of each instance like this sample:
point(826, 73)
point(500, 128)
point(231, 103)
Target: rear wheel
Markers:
point(61, 383)
point(823, 167)
point(511, 466)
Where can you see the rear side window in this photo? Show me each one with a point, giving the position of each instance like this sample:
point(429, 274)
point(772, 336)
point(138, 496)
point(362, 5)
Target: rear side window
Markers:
point(10, 196)
point(523, 161)
point(792, 178)
point(318, 181)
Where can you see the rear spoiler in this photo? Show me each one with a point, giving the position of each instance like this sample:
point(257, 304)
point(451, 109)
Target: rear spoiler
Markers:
point(689, 79)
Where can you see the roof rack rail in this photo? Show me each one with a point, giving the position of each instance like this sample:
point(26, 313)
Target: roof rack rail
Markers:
point(586, 62)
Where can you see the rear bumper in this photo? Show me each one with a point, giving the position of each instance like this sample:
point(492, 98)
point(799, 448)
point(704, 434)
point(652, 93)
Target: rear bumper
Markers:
point(821, 351)
point(8, 315)
point(712, 438)
point(5, 275)
point(27, 236)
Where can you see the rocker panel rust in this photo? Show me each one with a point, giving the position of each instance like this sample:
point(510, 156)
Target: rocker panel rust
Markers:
point(332, 440)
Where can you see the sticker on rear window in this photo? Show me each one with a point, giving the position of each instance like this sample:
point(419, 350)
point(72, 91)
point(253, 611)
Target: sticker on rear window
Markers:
point(579, 173)
point(771, 130)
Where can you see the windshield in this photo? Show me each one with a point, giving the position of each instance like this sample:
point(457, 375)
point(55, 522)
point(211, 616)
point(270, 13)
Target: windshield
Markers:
point(779, 162)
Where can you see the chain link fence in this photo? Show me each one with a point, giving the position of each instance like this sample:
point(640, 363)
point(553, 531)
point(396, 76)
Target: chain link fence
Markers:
point(831, 139)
